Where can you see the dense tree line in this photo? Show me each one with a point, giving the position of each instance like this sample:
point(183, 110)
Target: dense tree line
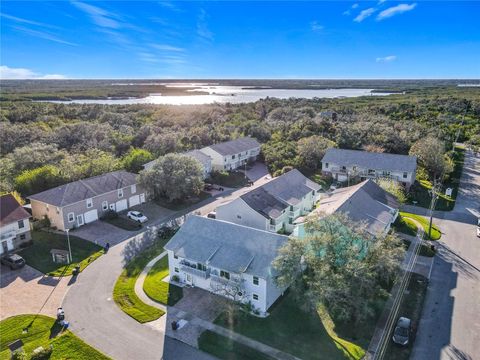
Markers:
point(76, 141)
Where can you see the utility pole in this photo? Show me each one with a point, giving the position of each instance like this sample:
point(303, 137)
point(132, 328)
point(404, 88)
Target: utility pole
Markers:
point(432, 206)
point(69, 248)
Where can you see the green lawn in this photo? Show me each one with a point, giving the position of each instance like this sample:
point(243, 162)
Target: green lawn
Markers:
point(228, 349)
point(424, 222)
point(44, 331)
point(306, 335)
point(419, 191)
point(234, 179)
point(159, 290)
point(411, 307)
point(38, 255)
point(180, 205)
point(124, 223)
point(124, 290)
point(323, 180)
point(405, 225)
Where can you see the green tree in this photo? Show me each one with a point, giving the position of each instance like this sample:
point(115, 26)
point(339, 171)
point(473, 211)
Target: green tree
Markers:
point(310, 151)
point(339, 265)
point(91, 163)
point(135, 159)
point(430, 152)
point(394, 188)
point(173, 177)
point(37, 180)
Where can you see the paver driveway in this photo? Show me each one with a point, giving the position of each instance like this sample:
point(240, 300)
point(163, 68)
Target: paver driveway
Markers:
point(28, 291)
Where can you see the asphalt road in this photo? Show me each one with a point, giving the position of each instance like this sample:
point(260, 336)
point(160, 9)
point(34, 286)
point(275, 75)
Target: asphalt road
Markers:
point(94, 316)
point(450, 323)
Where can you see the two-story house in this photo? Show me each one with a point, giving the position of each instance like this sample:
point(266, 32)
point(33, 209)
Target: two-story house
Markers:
point(226, 259)
point(231, 155)
point(365, 202)
point(14, 224)
point(84, 201)
point(348, 164)
point(275, 205)
point(204, 160)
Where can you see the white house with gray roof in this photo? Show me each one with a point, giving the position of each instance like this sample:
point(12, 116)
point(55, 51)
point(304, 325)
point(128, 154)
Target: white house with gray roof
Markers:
point(366, 202)
point(84, 201)
point(233, 154)
point(275, 205)
point(203, 159)
point(226, 259)
point(343, 164)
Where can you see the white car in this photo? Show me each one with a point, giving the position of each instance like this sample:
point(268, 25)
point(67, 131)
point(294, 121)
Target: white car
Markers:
point(478, 231)
point(137, 216)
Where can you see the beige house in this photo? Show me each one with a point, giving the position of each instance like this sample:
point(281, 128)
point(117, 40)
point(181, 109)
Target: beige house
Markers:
point(14, 224)
point(231, 155)
point(84, 201)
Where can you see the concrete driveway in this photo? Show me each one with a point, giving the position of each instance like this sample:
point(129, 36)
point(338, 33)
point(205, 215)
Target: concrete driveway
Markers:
point(28, 291)
point(450, 323)
point(100, 232)
point(257, 171)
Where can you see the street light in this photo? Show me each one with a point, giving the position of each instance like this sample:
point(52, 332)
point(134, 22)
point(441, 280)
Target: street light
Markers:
point(69, 248)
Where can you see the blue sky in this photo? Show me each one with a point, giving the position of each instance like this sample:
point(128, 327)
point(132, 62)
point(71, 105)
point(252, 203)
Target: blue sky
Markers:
point(227, 39)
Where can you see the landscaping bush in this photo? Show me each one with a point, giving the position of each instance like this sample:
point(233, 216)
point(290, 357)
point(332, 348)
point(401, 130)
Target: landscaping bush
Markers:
point(42, 354)
point(110, 215)
point(19, 355)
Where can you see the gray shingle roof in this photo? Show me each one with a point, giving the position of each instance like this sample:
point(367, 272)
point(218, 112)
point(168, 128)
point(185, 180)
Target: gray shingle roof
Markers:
point(365, 202)
point(264, 203)
point(227, 246)
point(235, 146)
point(291, 187)
point(200, 156)
point(11, 211)
point(87, 188)
point(371, 160)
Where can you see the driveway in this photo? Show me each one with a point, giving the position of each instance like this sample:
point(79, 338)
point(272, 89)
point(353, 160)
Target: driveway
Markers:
point(100, 232)
point(257, 171)
point(28, 291)
point(450, 323)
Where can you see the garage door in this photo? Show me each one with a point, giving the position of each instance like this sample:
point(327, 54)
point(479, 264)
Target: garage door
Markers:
point(121, 205)
point(134, 200)
point(90, 216)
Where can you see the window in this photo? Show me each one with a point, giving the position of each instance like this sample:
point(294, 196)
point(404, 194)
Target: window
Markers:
point(233, 156)
point(291, 207)
point(58, 210)
point(71, 217)
point(272, 222)
point(371, 172)
point(386, 173)
point(290, 220)
point(225, 274)
point(133, 188)
point(89, 203)
point(176, 270)
point(255, 280)
point(354, 168)
point(255, 297)
point(22, 237)
point(326, 165)
point(120, 193)
point(105, 205)
point(239, 216)
point(405, 175)
point(344, 168)
point(46, 207)
point(175, 256)
point(201, 267)
point(21, 224)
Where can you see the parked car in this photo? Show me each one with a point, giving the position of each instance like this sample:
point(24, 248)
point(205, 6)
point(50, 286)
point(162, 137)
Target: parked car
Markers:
point(137, 216)
point(334, 186)
point(478, 231)
point(207, 187)
point(212, 215)
point(14, 261)
point(401, 334)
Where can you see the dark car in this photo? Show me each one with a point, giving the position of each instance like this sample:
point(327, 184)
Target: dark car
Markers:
point(14, 261)
point(401, 334)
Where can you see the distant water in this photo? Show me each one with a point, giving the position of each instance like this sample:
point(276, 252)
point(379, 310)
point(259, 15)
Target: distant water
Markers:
point(230, 94)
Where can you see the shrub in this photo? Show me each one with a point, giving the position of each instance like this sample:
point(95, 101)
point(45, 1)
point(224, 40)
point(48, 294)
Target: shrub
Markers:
point(42, 354)
point(110, 215)
point(176, 278)
point(19, 354)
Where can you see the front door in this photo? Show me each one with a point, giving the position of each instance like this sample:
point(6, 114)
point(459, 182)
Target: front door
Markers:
point(80, 220)
point(189, 279)
point(142, 198)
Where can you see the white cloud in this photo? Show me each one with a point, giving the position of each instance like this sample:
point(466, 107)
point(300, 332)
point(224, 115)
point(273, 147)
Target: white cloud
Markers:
point(315, 26)
point(381, 1)
point(354, 6)
point(386, 59)
point(202, 27)
point(396, 10)
point(165, 47)
point(26, 21)
point(43, 35)
point(364, 14)
point(22, 73)
point(99, 16)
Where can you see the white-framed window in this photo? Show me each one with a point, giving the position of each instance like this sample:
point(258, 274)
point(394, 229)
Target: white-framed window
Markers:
point(255, 280)
point(239, 216)
point(133, 188)
point(71, 217)
point(21, 224)
point(105, 205)
point(225, 274)
point(176, 270)
point(120, 193)
point(89, 203)
point(22, 237)
point(405, 174)
point(255, 297)
point(326, 165)
point(175, 256)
